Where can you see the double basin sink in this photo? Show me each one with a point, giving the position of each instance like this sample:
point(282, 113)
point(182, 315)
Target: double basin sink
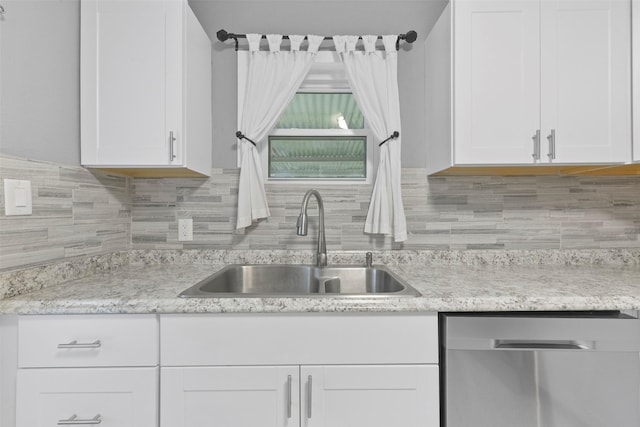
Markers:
point(288, 280)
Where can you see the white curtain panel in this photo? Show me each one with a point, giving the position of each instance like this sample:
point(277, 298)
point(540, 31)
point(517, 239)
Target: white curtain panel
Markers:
point(373, 76)
point(272, 81)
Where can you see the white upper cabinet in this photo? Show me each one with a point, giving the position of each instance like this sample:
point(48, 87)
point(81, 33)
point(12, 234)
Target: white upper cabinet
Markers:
point(523, 82)
point(636, 80)
point(497, 80)
point(145, 88)
point(585, 80)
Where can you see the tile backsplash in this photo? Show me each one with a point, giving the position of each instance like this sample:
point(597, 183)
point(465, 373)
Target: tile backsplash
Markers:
point(498, 212)
point(78, 212)
point(75, 212)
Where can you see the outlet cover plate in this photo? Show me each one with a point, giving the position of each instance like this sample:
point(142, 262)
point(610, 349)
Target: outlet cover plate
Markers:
point(185, 230)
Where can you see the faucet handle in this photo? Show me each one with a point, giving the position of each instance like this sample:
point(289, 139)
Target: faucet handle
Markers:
point(369, 259)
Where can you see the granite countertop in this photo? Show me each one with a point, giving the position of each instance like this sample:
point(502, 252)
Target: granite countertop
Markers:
point(150, 282)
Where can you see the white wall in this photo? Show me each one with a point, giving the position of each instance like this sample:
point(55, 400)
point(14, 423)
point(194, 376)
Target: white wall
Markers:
point(39, 80)
point(323, 18)
point(39, 66)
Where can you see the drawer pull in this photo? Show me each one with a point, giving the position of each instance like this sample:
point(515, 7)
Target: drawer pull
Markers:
point(309, 397)
point(289, 396)
point(75, 421)
point(76, 344)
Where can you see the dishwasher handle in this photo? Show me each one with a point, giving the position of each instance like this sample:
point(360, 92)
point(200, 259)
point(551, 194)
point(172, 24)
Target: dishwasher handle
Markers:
point(542, 345)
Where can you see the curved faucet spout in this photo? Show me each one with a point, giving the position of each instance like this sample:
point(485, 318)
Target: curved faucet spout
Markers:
point(301, 226)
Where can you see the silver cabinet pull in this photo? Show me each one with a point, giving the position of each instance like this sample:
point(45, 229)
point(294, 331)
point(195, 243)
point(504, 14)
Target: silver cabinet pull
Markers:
point(75, 421)
point(543, 345)
point(289, 396)
point(309, 396)
point(536, 145)
point(172, 140)
point(552, 144)
point(76, 344)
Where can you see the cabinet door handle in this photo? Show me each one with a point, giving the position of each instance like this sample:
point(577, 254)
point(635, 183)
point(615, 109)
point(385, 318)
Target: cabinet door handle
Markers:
point(289, 396)
point(536, 145)
point(73, 420)
point(543, 345)
point(309, 395)
point(172, 140)
point(76, 344)
point(552, 144)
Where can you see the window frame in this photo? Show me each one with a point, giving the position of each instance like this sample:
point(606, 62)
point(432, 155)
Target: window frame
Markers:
point(327, 75)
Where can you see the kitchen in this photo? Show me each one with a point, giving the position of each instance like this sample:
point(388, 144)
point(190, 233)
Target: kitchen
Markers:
point(107, 220)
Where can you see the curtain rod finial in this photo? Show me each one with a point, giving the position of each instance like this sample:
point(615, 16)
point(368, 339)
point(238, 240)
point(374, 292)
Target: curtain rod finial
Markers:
point(222, 35)
point(411, 36)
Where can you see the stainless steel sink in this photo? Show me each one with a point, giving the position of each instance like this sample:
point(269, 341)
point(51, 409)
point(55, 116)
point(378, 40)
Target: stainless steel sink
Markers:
point(289, 280)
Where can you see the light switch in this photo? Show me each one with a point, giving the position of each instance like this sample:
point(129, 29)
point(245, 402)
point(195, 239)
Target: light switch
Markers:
point(21, 197)
point(17, 197)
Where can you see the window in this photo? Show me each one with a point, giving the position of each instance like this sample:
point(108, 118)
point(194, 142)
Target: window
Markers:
point(314, 157)
point(319, 136)
point(322, 136)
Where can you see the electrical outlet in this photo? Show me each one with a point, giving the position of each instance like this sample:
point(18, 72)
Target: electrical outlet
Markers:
point(185, 230)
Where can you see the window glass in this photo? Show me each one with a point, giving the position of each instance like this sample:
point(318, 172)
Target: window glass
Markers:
point(317, 157)
point(322, 111)
point(320, 135)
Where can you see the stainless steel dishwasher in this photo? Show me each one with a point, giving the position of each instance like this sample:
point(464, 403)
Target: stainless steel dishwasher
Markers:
point(576, 369)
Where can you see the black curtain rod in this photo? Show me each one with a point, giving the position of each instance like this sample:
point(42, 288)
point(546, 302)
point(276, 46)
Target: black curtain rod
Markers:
point(223, 36)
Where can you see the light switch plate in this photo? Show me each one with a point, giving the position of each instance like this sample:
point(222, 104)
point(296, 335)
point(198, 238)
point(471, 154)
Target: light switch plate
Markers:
point(17, 197)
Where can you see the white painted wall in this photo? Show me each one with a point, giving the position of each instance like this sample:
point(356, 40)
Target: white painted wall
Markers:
point(39, 80)
point(39, 66)
point(323, 18)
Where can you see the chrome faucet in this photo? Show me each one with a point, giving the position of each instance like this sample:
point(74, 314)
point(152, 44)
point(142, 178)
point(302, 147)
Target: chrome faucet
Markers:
point(301, 226)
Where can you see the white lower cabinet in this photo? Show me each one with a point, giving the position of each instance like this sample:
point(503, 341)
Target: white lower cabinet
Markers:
point(8, 369)
point(372, 396)
point(308, 396)
point(226, 370)
point(265, 396)
point(87, 370)
point(110, 397)
point(311, 370)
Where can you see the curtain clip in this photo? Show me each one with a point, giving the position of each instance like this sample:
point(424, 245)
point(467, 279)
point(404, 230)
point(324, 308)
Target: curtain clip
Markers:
point(394, 135)
point(239, 135)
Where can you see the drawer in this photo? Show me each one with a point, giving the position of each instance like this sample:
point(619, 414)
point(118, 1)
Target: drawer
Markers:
point(87, 340)
point(110, 397)
point(298, 339)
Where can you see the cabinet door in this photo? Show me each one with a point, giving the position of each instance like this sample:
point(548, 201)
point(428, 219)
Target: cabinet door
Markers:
point(585, 80)
point(497, 80)
point(117, 397)
point(265, 396)
point(130, 79)
point(372, 396)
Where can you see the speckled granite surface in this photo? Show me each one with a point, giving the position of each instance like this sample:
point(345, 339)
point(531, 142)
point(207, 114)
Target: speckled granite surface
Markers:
point(149, 281)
